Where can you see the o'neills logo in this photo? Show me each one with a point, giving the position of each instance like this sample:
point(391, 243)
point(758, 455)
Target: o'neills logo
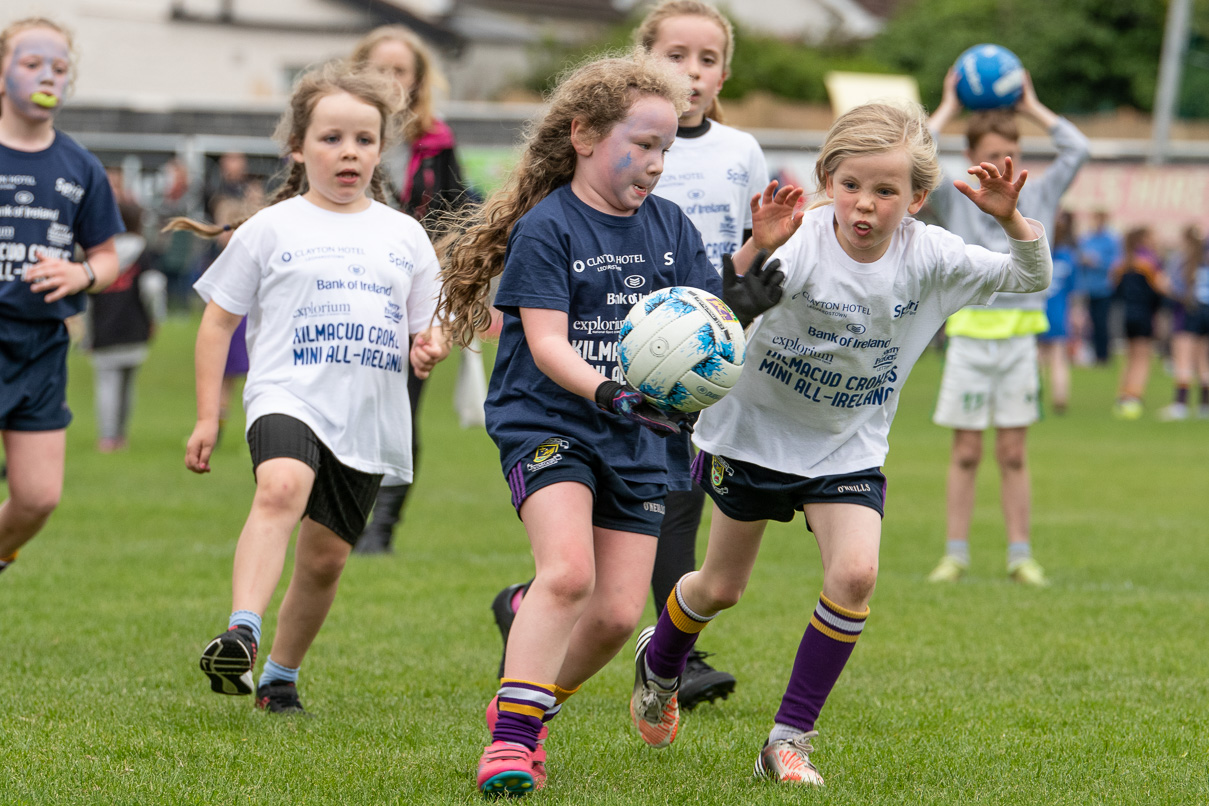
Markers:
point(650, 506)
point(597, 325)
point(863, 487)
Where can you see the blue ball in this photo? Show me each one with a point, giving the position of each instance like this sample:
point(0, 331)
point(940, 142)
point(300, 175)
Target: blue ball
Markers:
point(989, 77)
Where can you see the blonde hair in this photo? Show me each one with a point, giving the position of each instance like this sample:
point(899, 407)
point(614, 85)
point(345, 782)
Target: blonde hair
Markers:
point(329, 79)
point(14, 28)
point(875, 128)
point(420, 102)
point(647, 33)
point(599, 94)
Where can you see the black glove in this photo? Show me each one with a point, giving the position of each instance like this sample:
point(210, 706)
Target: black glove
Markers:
point(630, 403)
point(751, 294)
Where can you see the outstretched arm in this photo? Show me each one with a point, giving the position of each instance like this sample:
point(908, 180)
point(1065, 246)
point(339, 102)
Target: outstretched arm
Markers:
point(950, 106)
point(546, 334)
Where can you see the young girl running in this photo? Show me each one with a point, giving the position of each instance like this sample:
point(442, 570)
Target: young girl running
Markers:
point(334, 286)
point(806, 430)
point(54, 197)
point(578, 238)
point(713, 173)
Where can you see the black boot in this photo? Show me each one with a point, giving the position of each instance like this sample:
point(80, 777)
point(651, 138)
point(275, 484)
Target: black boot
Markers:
point(380, 533)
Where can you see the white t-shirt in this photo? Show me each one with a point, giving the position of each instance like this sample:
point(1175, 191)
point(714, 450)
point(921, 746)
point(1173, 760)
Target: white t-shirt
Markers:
point(824, 366)
point(712, 178)
point(331, 300)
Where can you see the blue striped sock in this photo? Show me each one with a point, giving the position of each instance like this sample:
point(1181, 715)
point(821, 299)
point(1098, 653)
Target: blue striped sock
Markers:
point(246, 618)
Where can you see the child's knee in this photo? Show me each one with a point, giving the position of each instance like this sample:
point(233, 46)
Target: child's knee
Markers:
point(719, 594)
point(570, 583)
point(35, 505)
point(852, 587)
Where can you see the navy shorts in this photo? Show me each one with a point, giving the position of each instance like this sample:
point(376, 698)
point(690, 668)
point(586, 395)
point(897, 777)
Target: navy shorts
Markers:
point(341, 498)
point(1196, 320)
point(747, 492)
point(33, 375)
point(626, 506)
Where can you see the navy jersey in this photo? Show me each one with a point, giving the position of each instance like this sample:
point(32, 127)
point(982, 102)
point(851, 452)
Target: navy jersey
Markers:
point(563, 255)
point(50, 200)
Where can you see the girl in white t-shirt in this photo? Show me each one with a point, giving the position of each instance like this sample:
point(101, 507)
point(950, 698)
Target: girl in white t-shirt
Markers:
point(806, 429)
point(339, 290)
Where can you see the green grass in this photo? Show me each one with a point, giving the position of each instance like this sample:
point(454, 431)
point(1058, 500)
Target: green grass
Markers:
point(1090, 692)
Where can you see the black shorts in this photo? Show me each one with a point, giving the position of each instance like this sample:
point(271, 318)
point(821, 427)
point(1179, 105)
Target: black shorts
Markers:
point(627, 506)
point(1139, 327)
point(341, 498)
point(33, 375)
point(748, 492)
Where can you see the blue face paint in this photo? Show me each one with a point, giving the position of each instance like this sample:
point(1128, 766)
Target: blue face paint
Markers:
point(624, 162)
point(36, 76)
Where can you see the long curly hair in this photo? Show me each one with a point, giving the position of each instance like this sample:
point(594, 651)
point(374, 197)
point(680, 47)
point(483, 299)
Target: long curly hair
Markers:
point(599, 94)
point(330, 78)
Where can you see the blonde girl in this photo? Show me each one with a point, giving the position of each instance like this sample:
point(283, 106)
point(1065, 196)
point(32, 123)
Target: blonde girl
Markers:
point(806, 431)
point(55, 198)
point(578, 238)
point(339, 290)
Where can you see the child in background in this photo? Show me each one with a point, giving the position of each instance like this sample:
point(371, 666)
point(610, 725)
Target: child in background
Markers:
point(121, 321)
point(336, 286)
point(1189, 275)
point(991, 377)
point(1052, 344)
point(807, 428)
point(41, 284)
point(712, 173)
point(1140, 285)
point(431, 185)
point(575, 233)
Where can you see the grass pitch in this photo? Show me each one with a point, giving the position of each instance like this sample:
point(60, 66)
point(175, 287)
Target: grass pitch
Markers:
point(1092, 691)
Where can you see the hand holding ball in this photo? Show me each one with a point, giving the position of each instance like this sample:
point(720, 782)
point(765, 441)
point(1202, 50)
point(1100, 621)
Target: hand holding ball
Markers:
point(683, 348)
point(989, 77)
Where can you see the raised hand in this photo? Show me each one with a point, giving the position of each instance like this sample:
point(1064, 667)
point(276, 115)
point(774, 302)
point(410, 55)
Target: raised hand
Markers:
point(997, 193)
point(776, 214)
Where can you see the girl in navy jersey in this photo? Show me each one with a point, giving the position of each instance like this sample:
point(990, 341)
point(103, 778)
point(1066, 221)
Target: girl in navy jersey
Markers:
point(339, 290)
point(54, 197)
point(713, 173)
point(578, 239)
point(806, 430)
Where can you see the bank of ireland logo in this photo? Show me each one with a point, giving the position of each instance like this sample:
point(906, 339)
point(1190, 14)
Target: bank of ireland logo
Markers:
point(23, 197)
point(356, 270)
point(635, 281)
point(718, 471)
point(696, 194)
point(856, 328)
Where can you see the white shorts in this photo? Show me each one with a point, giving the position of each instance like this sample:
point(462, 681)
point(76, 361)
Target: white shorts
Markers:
point(989, 383)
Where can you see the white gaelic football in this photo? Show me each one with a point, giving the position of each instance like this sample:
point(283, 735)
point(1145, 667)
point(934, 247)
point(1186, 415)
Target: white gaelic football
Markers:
point(681, 347)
